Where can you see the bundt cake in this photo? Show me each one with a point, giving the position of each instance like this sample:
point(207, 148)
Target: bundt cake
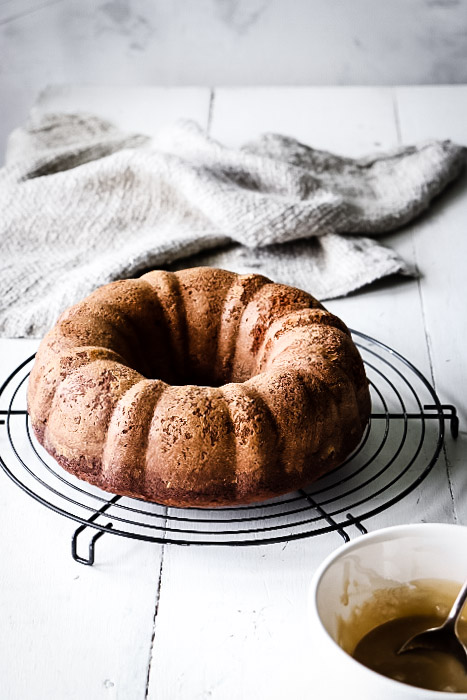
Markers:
point(198, 388)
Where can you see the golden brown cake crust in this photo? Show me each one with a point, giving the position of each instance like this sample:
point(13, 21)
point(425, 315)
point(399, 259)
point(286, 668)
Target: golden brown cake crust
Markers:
point(198, 388)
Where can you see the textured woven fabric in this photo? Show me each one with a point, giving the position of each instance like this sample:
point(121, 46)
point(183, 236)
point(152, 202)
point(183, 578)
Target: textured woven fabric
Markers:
point(83, 204)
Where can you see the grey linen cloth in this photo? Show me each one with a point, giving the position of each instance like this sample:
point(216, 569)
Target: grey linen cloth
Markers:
point(83, 204)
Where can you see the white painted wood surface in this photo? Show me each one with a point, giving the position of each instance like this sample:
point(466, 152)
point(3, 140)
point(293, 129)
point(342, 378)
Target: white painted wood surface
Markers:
point(165, 622)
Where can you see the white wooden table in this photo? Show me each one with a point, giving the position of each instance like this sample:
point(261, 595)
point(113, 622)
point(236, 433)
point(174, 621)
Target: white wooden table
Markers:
point(167, 622)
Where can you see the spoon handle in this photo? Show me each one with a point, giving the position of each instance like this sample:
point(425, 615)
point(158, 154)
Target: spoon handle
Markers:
point(457, 607)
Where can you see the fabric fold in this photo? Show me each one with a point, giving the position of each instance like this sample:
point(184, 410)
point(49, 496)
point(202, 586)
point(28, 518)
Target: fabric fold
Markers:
point(83, 204)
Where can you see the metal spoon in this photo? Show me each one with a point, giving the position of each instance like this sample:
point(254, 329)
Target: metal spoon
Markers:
point(445, 637)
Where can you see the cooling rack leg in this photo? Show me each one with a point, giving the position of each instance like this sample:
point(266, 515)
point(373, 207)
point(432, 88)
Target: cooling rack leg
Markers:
point(89, 561)
point(335, 526)
point(361, 528)
point(453, 419)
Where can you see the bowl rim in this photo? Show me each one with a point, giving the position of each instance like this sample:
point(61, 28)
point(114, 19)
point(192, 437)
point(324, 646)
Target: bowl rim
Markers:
point(392, 532)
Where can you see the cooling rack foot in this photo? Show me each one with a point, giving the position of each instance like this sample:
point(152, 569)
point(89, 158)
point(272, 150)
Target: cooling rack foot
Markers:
point(89, 560)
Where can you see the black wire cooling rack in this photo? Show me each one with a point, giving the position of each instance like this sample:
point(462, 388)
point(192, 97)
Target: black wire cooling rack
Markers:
point(400, 446)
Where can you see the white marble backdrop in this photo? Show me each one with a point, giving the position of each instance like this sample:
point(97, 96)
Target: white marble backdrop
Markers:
point(225, 42)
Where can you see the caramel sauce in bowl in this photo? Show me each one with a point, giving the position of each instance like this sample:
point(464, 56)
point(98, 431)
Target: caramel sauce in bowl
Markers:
point(375, 592)
point(433, 670)
point(413, 608)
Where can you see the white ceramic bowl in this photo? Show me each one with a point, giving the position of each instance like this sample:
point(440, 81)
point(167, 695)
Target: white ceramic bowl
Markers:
point(385, 558)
